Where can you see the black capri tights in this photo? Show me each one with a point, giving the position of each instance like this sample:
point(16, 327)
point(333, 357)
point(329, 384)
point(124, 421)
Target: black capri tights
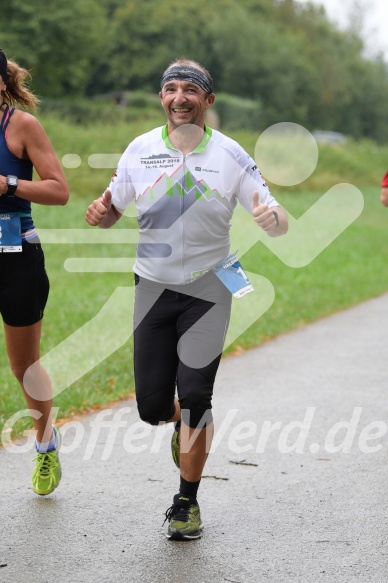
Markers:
point(178, 340)
point(24, 285)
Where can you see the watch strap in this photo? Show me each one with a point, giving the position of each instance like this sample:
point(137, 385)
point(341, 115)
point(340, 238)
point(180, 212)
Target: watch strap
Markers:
point(12, 187)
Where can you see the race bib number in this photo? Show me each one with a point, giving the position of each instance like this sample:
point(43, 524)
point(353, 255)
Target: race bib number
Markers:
point(10, 233)
point(233, 276)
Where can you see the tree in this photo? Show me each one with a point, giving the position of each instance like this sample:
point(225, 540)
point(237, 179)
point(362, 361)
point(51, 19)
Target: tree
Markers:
point(150, 34)
point(57, 41)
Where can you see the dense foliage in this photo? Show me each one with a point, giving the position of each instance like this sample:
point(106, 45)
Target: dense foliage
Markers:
point(287, 58)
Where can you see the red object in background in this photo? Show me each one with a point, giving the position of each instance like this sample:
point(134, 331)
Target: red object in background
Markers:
point(385, 180)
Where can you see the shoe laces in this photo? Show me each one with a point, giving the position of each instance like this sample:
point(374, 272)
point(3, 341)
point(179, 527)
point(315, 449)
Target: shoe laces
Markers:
point(177, 512)
point(46, 463)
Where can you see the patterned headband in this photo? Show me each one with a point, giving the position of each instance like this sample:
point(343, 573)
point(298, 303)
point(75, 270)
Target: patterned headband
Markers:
point(187, 73)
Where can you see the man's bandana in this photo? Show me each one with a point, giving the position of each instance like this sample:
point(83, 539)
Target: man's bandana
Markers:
point(187, 73)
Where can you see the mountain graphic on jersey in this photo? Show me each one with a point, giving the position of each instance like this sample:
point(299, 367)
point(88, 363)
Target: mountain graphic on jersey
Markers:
point(173, 196)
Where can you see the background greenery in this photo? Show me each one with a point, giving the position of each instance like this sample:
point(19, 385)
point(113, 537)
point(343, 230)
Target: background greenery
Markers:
point(286, 59)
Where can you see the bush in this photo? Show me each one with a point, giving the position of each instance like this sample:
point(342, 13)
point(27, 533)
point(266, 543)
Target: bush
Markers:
point(115, 107)
point(236, 113)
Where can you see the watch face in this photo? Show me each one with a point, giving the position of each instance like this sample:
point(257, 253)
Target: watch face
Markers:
point(12, 180)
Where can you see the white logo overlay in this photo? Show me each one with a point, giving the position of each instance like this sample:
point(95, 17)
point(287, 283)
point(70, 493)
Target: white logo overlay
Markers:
point(112, 428)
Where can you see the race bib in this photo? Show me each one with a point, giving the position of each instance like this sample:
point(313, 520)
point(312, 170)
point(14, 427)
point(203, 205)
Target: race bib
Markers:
point(233, 276)
point(10, 233)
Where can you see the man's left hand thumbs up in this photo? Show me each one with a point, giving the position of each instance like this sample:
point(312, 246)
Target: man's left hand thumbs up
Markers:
point(262, 214)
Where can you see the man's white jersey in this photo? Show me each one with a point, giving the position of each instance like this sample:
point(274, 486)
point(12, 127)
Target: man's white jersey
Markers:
point(184, 203)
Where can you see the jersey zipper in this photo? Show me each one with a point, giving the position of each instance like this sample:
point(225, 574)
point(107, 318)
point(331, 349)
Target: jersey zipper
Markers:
point(182, 209)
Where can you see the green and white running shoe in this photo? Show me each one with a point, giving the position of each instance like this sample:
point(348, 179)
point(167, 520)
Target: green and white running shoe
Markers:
point(47, 473)
point(184, 517)
point(175, 445)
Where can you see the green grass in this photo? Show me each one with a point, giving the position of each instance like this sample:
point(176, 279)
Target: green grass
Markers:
point(350, 270)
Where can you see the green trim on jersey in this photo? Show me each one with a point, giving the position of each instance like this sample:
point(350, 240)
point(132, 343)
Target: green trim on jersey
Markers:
point(200, 148)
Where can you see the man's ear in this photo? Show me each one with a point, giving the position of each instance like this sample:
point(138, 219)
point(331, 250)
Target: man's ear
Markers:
point(211, 99)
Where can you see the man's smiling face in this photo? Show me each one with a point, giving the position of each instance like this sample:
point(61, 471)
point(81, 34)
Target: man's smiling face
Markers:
point(184, 102)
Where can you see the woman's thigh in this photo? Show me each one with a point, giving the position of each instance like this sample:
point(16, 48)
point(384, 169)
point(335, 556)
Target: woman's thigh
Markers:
point(24, 286)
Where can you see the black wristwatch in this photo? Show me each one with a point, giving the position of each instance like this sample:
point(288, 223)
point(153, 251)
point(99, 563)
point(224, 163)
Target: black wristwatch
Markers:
point(12, 182)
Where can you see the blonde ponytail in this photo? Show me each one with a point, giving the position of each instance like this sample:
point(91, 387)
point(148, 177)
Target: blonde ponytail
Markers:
point(17, 91)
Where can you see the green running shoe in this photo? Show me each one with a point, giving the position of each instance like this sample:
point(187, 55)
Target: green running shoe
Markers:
point(184, 517)
point(175, 445)
point(48, 471)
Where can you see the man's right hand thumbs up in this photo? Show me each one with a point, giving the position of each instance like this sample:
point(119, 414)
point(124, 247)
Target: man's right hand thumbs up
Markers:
point(98, 209)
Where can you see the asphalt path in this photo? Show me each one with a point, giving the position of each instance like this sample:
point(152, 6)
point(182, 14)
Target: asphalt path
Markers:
point(294, 491)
